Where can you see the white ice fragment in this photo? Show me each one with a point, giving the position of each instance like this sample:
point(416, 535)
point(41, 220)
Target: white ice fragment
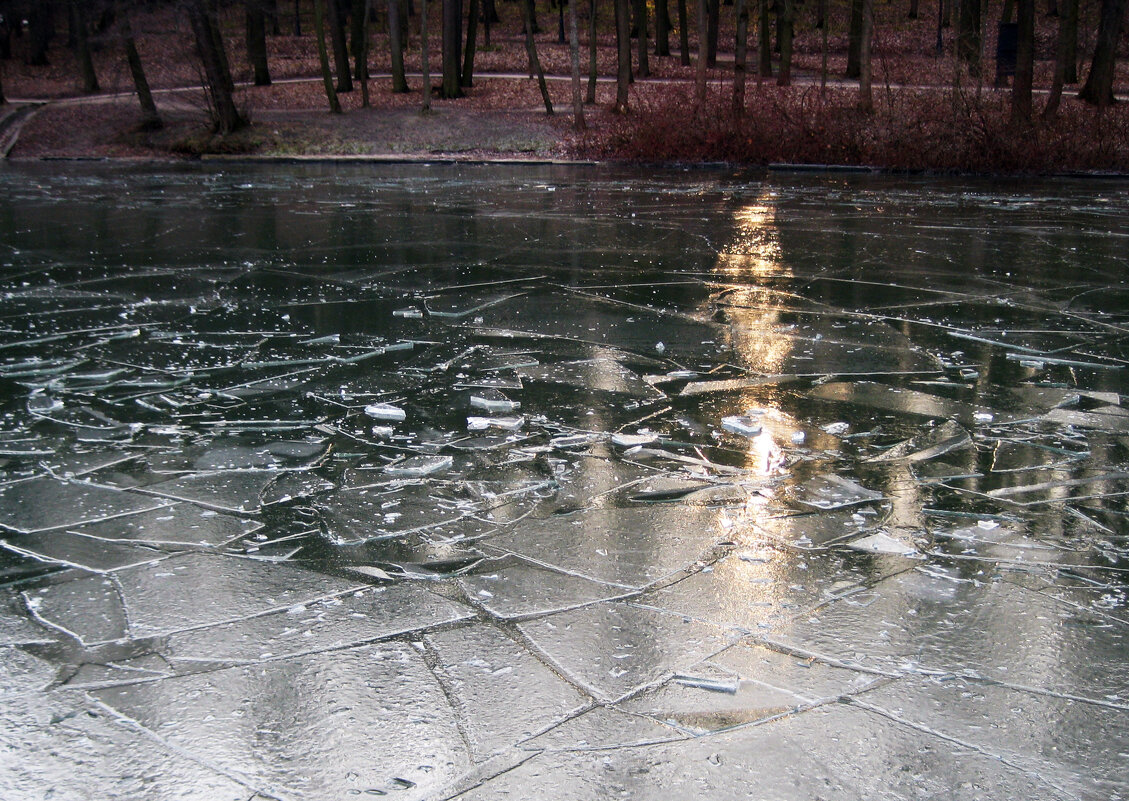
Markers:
point(504, 423)
point(410, 313)
point(385, 411)
point(634, 440)
point(660, 347)
point(419, 466)
point(571, 441)
point(798, 438)
point(983, 417)
point(836, 429)
point(384, 432)
point(491, 400)
point(987, 525)
point(745, 426)
point(883, 544)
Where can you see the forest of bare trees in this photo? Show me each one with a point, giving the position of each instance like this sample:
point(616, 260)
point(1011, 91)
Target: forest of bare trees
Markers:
point(1033, 52)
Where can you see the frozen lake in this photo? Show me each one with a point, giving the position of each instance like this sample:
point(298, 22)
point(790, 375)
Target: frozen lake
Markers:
point(570, 483)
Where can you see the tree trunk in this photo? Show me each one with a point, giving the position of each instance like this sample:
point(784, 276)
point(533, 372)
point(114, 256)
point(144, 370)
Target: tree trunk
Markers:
point(641, 27)
point(150, 119)
point(1024, 64)
point(590, 95)
point(701, 65)
point(297, 18)
point(1098, 89)
point(82, 47)
point(574, 47)
point(396, 46)
point(854, 40)
point(466, 77)
point(740, 57)
point(452, 48)
point(531, 50)
point(786, 11)
point(273, 17)
point(366, 7)
point(357, 22)
point(913, 9)
point(257, 42)
point(764, 42)
point(323, 58)
point(623, 51)
point(714, 18)
point(662, 28)
point(683, 35)
point(968, 35)
point(866, 97)
point(217, 76)
point(1071, 58)
point(336, 22)
point(425, 57)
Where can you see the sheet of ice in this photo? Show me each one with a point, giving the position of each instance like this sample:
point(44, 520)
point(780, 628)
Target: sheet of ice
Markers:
point(45, 503)
point(178, 594)
point(613, 648)
point(231, 491)
point(520, 589)
point(303, 728)
point(86, 553)
point(832, 491)
point(182, 525)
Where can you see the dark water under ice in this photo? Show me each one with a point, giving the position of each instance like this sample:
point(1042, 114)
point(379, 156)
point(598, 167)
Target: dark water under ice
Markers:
point(486, 482)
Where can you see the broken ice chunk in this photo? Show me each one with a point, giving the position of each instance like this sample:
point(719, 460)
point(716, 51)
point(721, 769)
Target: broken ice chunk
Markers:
point(949, 436)
point(491, 400)
point(882, 544)
point(837, 429)
point(385, 411)
point(832, 491)
point(744, 425)
point(504, 423)
point(634, 440)
point(418, 466)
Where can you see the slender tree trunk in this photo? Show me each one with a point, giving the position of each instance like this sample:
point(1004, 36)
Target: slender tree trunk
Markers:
point(82, 47)
point(257, 42)
point(854, 40)
point(641, 27)
point(217, 75)
point(425, 58)
point(297, 18)
point(786, 13)
point(683, 35)
point(913, 9)
point(1070, 59)
point(323, 58)
point(662, 28)
point(574, 47)
point(702, 62)
point(274, 17)
point(623, 50)
point(764, 42)
point(1098, 89)
point(150, 119)
point(740, 57)
point(396, 46)
point(466, 79)
point(452, 48)
point(366, 7)
point(357, 23)
point(1024, 64)
point(866, 97)
point(968, 35)
point(531, 50)
point(712, 22)
point(823, 54)
point(340, 47)
point(590, 96)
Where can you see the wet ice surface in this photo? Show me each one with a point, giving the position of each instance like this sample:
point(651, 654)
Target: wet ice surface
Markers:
point(478, 483)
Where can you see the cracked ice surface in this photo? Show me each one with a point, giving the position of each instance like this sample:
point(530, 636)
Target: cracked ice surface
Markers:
point(574, 483)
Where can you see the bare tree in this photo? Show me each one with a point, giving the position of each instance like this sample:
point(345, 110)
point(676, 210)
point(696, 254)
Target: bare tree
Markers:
point(466, 79)
point(866, 97)
point(396, 46)
point(323, 58)
point(590, 95)
point(1024, 63)
point(217, 74)
point(1098, 89)
point(531, 51)
point(740, 57)
point(150, 119)
point(425, 57)
point(623, 51)
point(82, 47)
point(574, 47)
point(452, 48)
point(257, 41)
